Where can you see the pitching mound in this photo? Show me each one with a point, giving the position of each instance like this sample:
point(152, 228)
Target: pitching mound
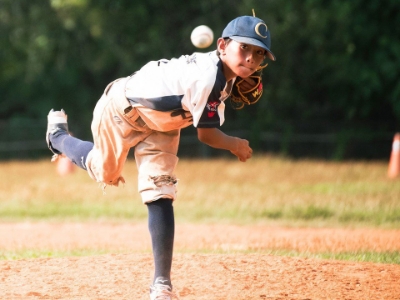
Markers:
point(236, 265)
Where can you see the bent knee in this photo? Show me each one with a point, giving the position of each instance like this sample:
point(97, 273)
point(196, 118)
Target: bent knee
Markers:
point(161, 180)
point(156, 187)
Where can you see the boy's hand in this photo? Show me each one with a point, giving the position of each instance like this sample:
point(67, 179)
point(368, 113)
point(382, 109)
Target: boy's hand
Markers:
point(243, 150)
point(248, 83)
point(217, 139)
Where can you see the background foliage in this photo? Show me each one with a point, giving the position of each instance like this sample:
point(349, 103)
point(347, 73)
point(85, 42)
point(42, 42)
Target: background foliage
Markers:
point(333, 91)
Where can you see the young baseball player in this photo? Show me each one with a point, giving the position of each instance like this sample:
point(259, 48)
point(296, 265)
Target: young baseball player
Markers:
point(147, 110)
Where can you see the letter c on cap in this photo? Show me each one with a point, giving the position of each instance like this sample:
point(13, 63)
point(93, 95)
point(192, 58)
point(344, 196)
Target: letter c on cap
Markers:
point(257, 29)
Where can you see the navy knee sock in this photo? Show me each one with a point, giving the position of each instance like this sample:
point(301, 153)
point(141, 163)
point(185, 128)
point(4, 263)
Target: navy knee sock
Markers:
point(76, 150)
point(162, 231)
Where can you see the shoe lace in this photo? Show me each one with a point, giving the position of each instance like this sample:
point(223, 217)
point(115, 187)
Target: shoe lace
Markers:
point(163, 292)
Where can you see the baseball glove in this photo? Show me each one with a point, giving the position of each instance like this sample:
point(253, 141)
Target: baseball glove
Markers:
point(241, 95)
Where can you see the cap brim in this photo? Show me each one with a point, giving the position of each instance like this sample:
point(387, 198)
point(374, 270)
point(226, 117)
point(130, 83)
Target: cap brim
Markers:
point(255, 42)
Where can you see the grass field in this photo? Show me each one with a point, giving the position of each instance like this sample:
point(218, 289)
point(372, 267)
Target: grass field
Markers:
point(265, 190)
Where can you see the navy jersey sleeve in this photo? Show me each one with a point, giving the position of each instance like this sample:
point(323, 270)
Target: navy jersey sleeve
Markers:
point(210, 117)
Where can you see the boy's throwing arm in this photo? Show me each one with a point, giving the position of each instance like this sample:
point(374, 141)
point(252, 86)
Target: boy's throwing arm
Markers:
point(217, 139)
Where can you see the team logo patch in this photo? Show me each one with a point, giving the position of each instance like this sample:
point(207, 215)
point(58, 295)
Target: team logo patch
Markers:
point(261, 30)
point(191, 59)
point(212, 108)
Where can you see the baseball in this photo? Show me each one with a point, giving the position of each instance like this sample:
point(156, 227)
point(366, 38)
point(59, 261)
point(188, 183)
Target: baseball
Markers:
point(202, 36)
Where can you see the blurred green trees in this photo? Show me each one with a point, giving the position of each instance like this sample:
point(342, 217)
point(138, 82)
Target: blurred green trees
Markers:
point(337, 70)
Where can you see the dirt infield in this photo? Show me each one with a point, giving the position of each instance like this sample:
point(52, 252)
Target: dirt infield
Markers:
point(237, 264)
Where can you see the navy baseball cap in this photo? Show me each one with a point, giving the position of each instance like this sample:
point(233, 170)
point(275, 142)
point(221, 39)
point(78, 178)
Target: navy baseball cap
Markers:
point(250, 30)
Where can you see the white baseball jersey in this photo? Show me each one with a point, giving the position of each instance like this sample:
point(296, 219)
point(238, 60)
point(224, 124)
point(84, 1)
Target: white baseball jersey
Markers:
point(192, 84)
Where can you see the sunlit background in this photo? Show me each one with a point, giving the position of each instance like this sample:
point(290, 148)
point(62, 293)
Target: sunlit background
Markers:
point(333, 92)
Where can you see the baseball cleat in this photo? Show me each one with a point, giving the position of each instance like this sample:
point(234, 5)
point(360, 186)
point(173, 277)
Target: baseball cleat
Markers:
point(56, 121)
point(161, 291)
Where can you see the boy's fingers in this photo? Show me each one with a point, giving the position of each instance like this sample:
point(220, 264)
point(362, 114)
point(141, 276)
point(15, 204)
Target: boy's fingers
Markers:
point(248, 83)
point(250, 80)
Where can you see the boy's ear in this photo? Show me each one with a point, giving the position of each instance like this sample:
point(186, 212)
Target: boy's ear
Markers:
point(221, 45)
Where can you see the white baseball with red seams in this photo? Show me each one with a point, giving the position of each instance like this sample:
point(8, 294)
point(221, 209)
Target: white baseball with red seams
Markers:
point(202, 36)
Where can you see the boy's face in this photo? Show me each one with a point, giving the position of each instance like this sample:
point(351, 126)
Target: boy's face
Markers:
point(240, 59)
